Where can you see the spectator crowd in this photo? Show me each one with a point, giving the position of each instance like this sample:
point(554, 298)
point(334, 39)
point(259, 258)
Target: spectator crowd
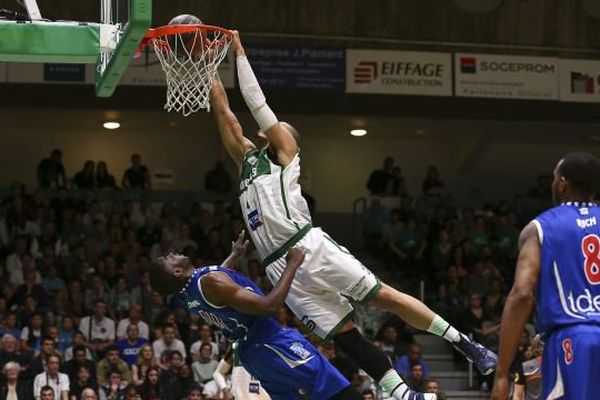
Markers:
point(79, 319)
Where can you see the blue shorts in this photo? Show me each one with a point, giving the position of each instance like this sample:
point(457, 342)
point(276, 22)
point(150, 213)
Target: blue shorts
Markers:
point(571, 363)
point(289, 367)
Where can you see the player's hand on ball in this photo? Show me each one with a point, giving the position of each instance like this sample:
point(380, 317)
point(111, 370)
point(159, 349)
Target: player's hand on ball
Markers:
point(295, 257)
point(240, 246)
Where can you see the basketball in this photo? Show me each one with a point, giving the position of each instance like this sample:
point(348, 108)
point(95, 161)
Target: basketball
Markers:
point(191, 42)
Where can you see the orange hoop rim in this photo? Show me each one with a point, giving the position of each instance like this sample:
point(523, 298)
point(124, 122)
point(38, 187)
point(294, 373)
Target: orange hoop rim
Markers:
point(168, 30)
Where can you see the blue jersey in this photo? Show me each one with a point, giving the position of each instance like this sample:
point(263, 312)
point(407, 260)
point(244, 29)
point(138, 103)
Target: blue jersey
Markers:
point(569, 284)
point(288, 366)
point(234, 324)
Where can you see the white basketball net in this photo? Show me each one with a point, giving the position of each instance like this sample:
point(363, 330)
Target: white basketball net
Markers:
point(190, 62)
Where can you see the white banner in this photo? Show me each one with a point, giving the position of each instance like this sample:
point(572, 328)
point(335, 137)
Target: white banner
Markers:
point(398, 72)
point(508, 77)
point(145, 70)
point(579, 80)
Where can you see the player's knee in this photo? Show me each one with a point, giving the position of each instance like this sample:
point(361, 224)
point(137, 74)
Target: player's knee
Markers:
point(387, 299)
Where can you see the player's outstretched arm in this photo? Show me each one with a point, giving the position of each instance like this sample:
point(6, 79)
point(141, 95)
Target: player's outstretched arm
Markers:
point(278, 134)
point(220, 289)
point(238, 249)
point(233, 138)
point(518, 307)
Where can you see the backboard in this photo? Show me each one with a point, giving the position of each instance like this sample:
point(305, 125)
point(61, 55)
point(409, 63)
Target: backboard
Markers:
point(109, 44)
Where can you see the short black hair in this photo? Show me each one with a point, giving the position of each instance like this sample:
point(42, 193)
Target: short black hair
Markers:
point(47, 388)
point(582, 171)
point(163, 282)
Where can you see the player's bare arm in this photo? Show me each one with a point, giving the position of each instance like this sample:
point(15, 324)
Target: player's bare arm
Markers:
point(231, 132)
point(220, 289)
point(278, 134)
point(238, 249)
point(518, 307)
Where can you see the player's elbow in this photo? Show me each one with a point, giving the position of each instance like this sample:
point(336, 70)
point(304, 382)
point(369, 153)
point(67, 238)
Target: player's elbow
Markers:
point(521, 297)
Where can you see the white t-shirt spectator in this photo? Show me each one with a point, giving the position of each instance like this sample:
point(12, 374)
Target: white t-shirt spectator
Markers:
point(60, 384)
point(16, 277)
point(195, 350)
point(103, 330)
point(159, 346)
point(143, 329)
point(25, 333)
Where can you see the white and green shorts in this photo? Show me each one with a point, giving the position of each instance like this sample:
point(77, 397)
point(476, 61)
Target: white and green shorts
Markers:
point(324, 282)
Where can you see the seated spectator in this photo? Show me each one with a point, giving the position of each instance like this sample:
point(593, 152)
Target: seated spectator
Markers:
point(88, 394)
point(218, 179)
point(205, 338)
point(12, 387)
point(112, 361)
point(30, 288)
point(136, 176)
point(98, 329)
point(169, 378)
point(186, 379)
point(374, 220)
point(368, 395)
point(58, 381)
point(416, 380)
point(48, 393)
point(205, 365)
point(131, 345)
point(39, 362)
point(388, 341)
point(52, 281)
point(78, 341)
point(83, 379)
point(86, 178)
point(13, 261)
point(104, 180)
point(115, 386)
point(51, 172)
point(66, 333)
point(135, 315)
point(168, 341)
point(414, 356)
point(10, 325)
point(120, 297)
point(195, 394)
point(97, 291)
point(433, 386)
point(72, 367)
point(381, 179)
point(145, 361)
point(31, 335)
point(10, 351)
point(151, 389)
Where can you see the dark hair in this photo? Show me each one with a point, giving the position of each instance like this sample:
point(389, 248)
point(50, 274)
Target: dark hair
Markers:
point(112, 347)
point(47, 388)
point(205, 345)
point(582, 171)
point(165, 326)
point(368, 391)
point(163, 282)
point(113, 371)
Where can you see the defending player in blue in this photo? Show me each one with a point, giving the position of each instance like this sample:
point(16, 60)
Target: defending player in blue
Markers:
point(559, 266)
point(287, 365)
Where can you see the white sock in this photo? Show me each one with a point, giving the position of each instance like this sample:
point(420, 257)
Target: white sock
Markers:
point(393, 384)
point(440, 327)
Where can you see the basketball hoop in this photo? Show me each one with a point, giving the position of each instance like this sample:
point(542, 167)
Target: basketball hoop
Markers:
point(189, 56)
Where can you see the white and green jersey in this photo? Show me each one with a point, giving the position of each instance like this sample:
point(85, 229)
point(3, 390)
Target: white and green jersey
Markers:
point(275, 212)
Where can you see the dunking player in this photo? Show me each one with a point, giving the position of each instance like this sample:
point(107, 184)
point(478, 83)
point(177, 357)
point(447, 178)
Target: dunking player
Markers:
point(559, 266)
point(278, 219)
point(287, 365)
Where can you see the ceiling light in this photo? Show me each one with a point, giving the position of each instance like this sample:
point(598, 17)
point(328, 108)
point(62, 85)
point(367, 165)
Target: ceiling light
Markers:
point(111, 125)
point(358, 132)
